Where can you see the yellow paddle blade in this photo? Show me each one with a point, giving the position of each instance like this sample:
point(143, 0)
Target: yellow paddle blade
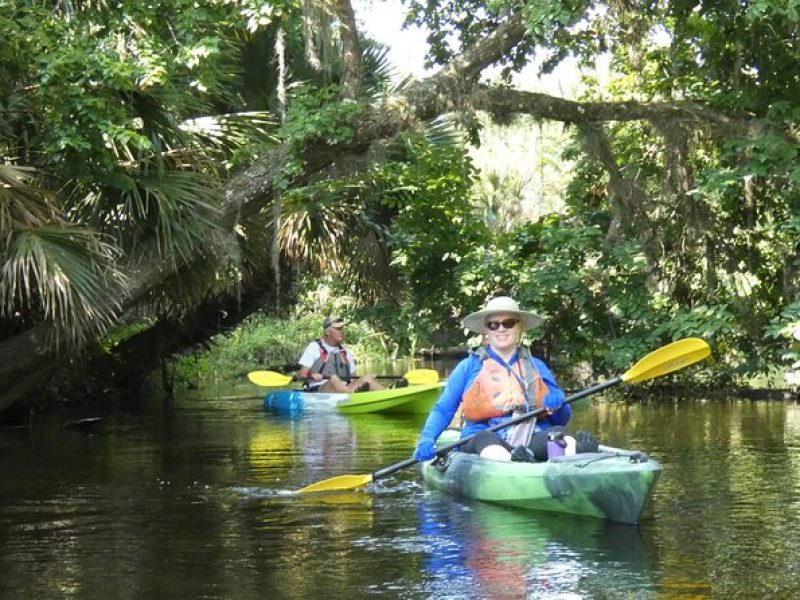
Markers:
point(422, 376)
point(334, 484)
point(666, 359)
point(269, 378)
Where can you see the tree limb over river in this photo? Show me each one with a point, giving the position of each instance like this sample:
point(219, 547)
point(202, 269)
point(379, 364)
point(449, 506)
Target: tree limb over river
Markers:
point(30, 365)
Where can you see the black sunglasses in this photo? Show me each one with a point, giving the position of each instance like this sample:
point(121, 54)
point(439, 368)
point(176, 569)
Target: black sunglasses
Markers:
point(506, 323)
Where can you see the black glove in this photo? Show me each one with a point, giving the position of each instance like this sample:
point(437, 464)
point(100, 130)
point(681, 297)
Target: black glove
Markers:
point(585, 442)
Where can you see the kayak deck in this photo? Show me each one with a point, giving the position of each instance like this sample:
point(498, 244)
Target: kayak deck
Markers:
point(410, 399)
point(611, 484)
point(417, 399)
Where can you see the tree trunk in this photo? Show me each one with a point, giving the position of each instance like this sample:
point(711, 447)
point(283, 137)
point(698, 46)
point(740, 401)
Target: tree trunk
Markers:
point(351, 50)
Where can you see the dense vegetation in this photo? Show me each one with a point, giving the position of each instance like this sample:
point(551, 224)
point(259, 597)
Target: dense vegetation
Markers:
point(169, 166)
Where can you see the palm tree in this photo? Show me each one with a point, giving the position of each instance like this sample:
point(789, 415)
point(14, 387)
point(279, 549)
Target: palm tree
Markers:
point(117, 171)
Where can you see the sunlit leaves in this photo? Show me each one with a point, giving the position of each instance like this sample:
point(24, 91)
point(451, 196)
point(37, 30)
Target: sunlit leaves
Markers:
point(316, 113)
point(66, 272)
point(759, 9)
point(785, 328)
point(544, 16)
point(22, 205)
point(129, 119)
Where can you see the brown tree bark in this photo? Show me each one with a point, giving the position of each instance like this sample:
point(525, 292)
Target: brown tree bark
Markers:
point(351, 49)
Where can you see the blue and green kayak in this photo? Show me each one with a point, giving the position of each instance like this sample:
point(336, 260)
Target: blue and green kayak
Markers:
point(613, 483)
point(416, 399)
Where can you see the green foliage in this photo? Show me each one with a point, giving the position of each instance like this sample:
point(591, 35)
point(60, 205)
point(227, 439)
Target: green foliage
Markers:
point(703, 245)
point(79, 296)
point(760, 9)
point(429, 195)
point(786, 329)
point(271, 343)
point(390, 235)
point(593, 297)
point(122, 123)
point(119, 127)
point(316, 113)
point(545, 17)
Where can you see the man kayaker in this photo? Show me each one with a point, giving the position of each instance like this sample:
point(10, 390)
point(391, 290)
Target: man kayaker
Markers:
point(497, 381)
point(327, 366)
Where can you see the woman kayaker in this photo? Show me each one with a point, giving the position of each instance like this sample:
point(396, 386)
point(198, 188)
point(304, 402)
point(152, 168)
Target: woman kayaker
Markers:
point(496, 382)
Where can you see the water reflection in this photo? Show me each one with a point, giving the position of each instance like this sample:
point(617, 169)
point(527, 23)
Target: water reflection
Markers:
point(300, 449)
point(196, 499)
point(481, 550)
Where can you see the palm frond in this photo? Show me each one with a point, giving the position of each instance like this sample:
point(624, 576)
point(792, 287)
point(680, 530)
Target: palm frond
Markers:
point(445, 131)
point(312, 227)
point(377, 69)
point(498, 198)
point(22, 205)
point(402, 85)
point(221, 135)
point(338, 229)
point(173, 212)
point(217, 270)
point(370, 260)
point(65, 272)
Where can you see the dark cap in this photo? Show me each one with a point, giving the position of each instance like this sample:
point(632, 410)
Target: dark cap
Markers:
point(333, 321)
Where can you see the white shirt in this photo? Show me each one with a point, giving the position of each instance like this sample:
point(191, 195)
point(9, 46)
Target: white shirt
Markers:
point(312, 353)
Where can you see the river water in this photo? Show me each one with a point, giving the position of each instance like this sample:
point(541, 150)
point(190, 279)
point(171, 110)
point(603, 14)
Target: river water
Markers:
point(194, 499)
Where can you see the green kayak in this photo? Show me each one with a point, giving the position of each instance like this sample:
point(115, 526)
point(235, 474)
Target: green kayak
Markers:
point(409, 399)
point(611, 484)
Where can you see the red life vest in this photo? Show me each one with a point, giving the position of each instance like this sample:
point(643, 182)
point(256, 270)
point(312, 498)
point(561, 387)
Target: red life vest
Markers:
point(499, 390)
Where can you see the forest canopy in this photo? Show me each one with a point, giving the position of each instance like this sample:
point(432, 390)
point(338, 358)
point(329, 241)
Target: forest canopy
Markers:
point(169, 165)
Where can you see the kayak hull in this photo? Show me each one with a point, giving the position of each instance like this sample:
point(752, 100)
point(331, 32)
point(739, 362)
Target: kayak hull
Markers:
point(412, 399)
point(612, 484)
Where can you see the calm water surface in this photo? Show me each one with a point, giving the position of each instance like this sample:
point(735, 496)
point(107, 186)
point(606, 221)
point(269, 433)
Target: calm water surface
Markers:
point(194, 499)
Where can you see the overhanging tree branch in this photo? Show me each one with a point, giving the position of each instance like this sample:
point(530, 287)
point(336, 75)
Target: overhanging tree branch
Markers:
point(452, 88)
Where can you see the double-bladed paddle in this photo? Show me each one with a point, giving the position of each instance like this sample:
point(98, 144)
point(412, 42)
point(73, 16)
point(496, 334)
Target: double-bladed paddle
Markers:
point(275, 379)
point(666, 359)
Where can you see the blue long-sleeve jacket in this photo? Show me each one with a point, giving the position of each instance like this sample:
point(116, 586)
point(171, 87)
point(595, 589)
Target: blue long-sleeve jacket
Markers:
point(462, 377)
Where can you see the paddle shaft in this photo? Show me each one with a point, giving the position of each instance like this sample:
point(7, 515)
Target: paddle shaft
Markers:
point(524, 417)
point(669, 358)
point(393, 377)
point(305, 379)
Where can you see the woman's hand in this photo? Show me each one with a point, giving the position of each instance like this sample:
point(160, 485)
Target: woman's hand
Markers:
point(425, 450)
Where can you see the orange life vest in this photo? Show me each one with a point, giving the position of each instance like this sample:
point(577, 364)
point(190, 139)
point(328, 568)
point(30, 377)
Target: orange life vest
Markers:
point(499, 390)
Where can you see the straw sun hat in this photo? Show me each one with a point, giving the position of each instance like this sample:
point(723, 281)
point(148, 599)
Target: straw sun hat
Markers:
point(501, 304)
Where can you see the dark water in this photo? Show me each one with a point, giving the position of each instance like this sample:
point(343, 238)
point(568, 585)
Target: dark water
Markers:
point(194, 500)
